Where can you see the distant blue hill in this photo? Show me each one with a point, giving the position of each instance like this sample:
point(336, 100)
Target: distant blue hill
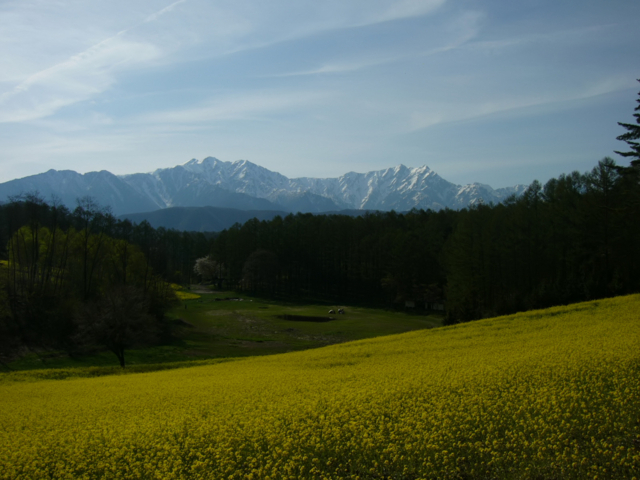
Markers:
point(212, 219)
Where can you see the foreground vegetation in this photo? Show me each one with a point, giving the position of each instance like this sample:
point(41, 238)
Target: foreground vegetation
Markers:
point(538, 395)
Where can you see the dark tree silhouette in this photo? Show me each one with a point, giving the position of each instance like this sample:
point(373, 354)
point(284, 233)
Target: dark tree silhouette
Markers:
point(119, 320)
point(260, 270)
point(633, 134)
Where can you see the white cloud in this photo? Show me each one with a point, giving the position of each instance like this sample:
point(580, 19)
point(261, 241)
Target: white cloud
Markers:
point(37, 34)
point(80, 77)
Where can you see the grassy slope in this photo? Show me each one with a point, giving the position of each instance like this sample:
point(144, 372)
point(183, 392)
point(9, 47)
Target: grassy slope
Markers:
point(539, 395)
point(222, 329)
point(252, 327)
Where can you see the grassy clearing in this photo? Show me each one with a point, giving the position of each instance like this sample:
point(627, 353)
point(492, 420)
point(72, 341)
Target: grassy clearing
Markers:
point(539, 395)
point(253, 326)
point(210, 327)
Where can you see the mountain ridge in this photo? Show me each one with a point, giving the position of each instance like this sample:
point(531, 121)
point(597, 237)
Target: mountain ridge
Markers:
point(244, 185)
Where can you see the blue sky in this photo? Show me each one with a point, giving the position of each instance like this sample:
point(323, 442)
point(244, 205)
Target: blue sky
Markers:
point(498, 92)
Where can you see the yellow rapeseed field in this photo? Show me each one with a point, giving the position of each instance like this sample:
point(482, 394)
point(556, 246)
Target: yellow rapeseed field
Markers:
point(551, 394)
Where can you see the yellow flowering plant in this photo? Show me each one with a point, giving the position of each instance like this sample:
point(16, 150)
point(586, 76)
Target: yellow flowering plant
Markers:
point(542, 394)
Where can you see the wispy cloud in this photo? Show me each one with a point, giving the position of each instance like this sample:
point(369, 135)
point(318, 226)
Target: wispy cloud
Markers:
point(554, 36)
point(249, 106)
point(267, 24)
point(154, 16)
point(456, 32)
point(339, 67)
point(440, 114)
point(79, 77)
point(384, 11)
point(227, 28)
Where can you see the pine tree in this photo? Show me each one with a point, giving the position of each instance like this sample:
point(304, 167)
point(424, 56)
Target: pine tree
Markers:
point(633, 133)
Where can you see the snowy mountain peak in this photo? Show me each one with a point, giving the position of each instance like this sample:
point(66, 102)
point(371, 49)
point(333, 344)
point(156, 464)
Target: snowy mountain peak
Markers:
point(199, 166)
point(245, 185)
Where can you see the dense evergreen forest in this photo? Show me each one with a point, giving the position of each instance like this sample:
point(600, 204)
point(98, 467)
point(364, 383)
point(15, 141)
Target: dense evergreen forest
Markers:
point(575, 238)
point(72, 278)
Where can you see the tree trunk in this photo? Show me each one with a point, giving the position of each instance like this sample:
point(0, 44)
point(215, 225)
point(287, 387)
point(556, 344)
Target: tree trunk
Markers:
point(120, 354)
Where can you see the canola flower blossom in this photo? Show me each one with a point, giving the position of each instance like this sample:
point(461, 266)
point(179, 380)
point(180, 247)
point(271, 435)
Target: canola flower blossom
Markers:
point(542, 394)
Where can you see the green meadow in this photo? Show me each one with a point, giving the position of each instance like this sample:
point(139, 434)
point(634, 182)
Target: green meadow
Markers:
point(220, 325)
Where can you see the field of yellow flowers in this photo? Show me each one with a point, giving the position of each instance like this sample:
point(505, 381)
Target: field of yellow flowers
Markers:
point(552, 394)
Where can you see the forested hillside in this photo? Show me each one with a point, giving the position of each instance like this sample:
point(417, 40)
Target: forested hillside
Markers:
point(573, 239)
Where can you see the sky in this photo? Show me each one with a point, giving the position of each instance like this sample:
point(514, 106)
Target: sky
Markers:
point(500, 92)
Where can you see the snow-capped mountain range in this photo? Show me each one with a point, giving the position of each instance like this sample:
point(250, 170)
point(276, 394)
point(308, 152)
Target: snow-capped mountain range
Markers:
point(247, 186)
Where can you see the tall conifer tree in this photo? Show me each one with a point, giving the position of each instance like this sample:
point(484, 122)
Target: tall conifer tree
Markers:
point(633, 134)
